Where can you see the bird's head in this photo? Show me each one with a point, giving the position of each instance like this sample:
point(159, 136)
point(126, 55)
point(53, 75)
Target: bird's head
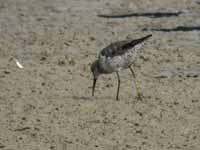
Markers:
point(96, 72)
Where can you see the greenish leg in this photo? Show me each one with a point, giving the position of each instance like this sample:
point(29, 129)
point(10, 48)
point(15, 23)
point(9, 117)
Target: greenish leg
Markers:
point(117, 98)
point(139, 94)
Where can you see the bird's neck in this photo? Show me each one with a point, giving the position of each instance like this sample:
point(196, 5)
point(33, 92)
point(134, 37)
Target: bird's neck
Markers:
point(100, 68)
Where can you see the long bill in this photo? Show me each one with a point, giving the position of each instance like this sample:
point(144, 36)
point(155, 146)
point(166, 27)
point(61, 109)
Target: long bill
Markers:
point(94, 84)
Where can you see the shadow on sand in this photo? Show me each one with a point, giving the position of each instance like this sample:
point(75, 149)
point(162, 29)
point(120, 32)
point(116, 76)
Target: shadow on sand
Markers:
point(90, 98)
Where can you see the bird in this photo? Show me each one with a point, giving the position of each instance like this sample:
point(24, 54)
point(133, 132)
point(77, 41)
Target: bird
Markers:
point(115, 57)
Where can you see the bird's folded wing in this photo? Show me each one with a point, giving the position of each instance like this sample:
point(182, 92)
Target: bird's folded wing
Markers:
point(121, 47)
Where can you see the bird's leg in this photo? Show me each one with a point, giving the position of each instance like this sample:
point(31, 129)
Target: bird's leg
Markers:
point(139, 94)
point(117, 98)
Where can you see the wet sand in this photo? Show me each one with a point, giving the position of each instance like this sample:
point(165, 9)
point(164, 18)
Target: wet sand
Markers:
point(48, 104)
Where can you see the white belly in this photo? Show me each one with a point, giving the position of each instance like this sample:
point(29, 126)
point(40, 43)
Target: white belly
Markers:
point(117, 63)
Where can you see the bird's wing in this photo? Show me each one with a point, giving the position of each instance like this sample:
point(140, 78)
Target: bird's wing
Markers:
point(119, 48)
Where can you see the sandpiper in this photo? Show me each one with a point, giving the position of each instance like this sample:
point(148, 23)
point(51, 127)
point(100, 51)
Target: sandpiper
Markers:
point(115, 57)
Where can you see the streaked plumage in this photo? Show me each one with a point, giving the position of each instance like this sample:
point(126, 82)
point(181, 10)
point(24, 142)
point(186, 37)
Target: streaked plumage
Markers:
point(115, 57)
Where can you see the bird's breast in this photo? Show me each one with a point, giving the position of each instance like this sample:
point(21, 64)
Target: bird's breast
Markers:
point(117, 63)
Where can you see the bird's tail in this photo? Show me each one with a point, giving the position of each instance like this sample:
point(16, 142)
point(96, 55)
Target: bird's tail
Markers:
point(137, 41)
point(140, 40)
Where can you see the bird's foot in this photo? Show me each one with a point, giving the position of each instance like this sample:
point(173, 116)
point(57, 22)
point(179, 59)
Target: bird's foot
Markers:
point(140, 96)
point(117, 98)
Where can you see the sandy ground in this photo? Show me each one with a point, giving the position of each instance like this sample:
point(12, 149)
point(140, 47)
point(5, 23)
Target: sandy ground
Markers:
point(48, 104)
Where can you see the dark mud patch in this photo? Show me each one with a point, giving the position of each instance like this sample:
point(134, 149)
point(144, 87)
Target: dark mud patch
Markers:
point(148, 14)
point(177, 29)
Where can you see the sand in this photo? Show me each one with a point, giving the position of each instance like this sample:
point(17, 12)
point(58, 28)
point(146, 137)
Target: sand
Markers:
point(47, 105)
